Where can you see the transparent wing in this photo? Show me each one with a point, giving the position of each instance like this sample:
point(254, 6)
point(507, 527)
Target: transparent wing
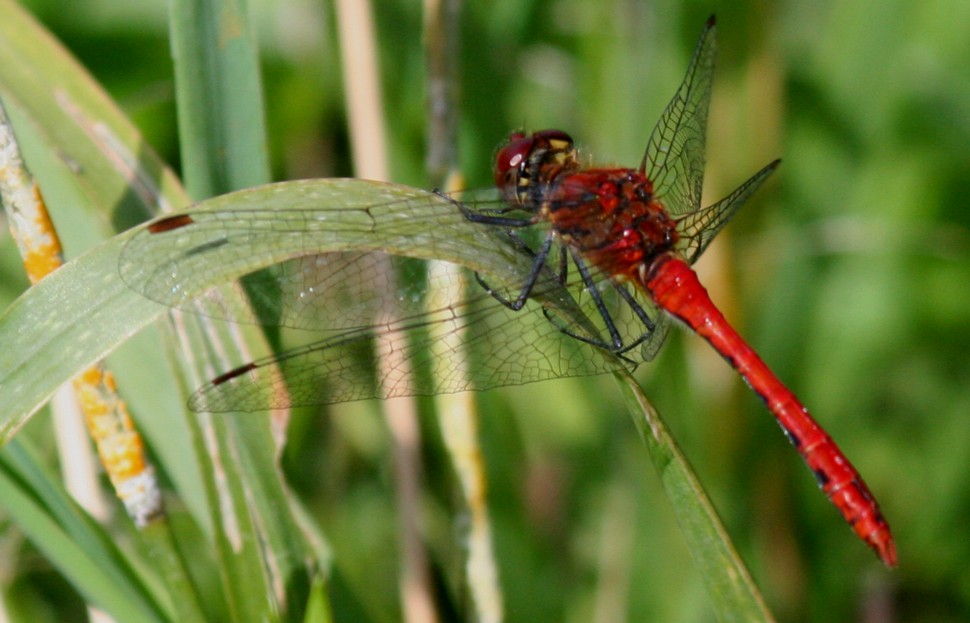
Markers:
point(674, 159)
point(473, 343)
point(352, 273)
point(320, 276)
point(698, 228)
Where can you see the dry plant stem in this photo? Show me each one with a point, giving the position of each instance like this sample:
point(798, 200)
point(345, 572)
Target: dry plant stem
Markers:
point(119, 445)
point(74, 454)
point(458, 417)
point(368, 140)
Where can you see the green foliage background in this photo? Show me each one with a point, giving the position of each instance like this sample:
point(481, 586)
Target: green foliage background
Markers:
point(849, 273)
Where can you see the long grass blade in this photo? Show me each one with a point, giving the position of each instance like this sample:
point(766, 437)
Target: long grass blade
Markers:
point(729, 584)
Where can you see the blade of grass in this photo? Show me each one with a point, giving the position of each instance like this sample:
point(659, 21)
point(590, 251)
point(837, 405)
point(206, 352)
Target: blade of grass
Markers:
point(72, 541)
point(457, 413)
point(223, 142)
point(318, 606)
point(219, 96)
point(96, 159)
point(64, 323)
point(732, 590)
point(97, 174)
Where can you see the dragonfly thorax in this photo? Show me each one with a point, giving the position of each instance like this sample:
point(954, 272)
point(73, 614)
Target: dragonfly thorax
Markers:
point(611, 217)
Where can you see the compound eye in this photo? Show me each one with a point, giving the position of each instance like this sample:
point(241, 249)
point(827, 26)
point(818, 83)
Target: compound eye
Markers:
point(511, 159)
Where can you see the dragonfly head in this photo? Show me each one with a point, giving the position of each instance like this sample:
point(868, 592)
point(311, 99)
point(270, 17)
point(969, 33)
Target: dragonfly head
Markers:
point(524, 160)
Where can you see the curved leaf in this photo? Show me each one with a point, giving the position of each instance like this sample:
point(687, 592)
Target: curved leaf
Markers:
point(84, 310)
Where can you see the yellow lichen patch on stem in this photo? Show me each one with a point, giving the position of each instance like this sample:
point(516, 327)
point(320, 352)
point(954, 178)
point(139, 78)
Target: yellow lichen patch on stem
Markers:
point(119, 445)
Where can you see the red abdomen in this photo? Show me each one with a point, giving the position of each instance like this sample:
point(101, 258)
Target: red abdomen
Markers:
point(673, 285)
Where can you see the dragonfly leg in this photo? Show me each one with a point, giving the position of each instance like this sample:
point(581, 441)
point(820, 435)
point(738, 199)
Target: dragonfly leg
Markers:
point(539, 258)
point(593, 341)
point(615, 345)
point(539, 262)
point(616, 341)
point(492, 217)
point(640, 313)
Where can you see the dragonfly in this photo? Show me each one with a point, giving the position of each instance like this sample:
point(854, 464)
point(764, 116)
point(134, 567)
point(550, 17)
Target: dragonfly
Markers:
point(592, 264)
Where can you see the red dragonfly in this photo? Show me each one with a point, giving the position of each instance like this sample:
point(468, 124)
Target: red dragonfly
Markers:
point(598, 251)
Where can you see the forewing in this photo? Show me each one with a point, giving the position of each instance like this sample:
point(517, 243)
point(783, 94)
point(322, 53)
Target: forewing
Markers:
point(191, 261)
point(674, 159)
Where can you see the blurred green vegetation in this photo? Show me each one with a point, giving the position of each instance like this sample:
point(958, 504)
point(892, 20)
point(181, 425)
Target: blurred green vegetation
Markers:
point(849, 273)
